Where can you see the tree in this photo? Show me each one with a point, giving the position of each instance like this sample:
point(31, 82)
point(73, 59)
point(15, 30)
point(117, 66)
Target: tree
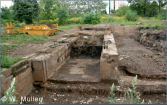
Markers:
point(25, 10)
point(48, 8)
point(153, 8)
point(144, 7)
point(62, 15)
point(6, 13)
point(161, 3)
point(78, 7)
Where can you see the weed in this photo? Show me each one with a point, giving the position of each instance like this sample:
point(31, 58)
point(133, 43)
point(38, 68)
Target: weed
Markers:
point(8, 98)
point(131, 97)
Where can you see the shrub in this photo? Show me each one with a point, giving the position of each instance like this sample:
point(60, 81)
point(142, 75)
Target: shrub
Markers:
point(131, 97)
point(74, 20)
point(62, 15)
point(131, 15)
point(162, 16)
point(91, 18)
point(113, 11)
point(122, 10)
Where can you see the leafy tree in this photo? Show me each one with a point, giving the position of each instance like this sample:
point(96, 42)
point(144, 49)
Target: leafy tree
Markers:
point(79, 7)
point(144, 7)
point(48, 8)
point(62, 15)
point(6, 13)
point(153, 9)
point(25, 10)
point(161, 3)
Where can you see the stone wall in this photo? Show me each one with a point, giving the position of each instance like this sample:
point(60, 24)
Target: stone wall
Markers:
point(22, 73)
point(109, 60)
point(44, 65)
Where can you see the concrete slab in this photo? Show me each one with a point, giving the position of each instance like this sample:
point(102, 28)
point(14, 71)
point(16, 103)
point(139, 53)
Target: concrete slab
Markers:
point(78, 70)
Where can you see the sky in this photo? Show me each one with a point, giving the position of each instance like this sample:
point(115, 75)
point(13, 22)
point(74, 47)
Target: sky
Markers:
point(6, 3)
point(9, 3)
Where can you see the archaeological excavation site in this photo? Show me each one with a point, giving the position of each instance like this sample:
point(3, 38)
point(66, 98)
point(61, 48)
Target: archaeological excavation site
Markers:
point(82, 64)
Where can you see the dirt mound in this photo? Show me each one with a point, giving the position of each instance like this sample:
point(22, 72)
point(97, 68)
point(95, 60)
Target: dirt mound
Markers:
point(153, 38)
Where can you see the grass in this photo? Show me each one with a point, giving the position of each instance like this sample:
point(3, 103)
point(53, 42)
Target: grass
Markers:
point(131, 97)
point(147, 22)
point(6, 60)
point(4, 48)
point(69, 26)
point(25, 38)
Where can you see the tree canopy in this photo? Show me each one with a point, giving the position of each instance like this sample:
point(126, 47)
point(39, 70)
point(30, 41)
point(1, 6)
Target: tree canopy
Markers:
point(48, 8)
point(145, 7)
point(78, 7)
point(25, 10)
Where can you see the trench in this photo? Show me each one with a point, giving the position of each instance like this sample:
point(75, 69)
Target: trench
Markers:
point(84, 62)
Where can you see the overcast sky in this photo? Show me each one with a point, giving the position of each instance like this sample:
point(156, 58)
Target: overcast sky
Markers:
point(9, 3)
point(6, 3)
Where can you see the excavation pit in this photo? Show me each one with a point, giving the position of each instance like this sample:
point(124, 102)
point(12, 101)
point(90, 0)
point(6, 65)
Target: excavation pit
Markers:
point(83, 58)
point(84, 62)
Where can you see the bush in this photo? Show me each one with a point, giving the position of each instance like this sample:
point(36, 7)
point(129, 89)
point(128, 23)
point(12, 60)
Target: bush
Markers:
point(74, 20)
point(122, 10)
point(162, 16)
point(91, 18)
point(113, 11)
point(131, 15)
point(62, 15)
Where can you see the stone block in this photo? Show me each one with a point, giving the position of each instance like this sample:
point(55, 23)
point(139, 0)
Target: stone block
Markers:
point(37, 65)
point(3, 84)
point(17, 66)
point(39, 76)
point(109, 61)
point(50, 66)
point(25, 82)
point(23, 75)
point(6, 72)
point(9, 80)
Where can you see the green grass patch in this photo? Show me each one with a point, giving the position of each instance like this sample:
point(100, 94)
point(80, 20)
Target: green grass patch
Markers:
point(56, 32)
point(147, 22)
point(69, 26)
point(25, 38)
point(7, 61)
point(4, 48)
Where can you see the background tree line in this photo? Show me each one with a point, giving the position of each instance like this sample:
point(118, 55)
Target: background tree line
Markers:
point(30, 10)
